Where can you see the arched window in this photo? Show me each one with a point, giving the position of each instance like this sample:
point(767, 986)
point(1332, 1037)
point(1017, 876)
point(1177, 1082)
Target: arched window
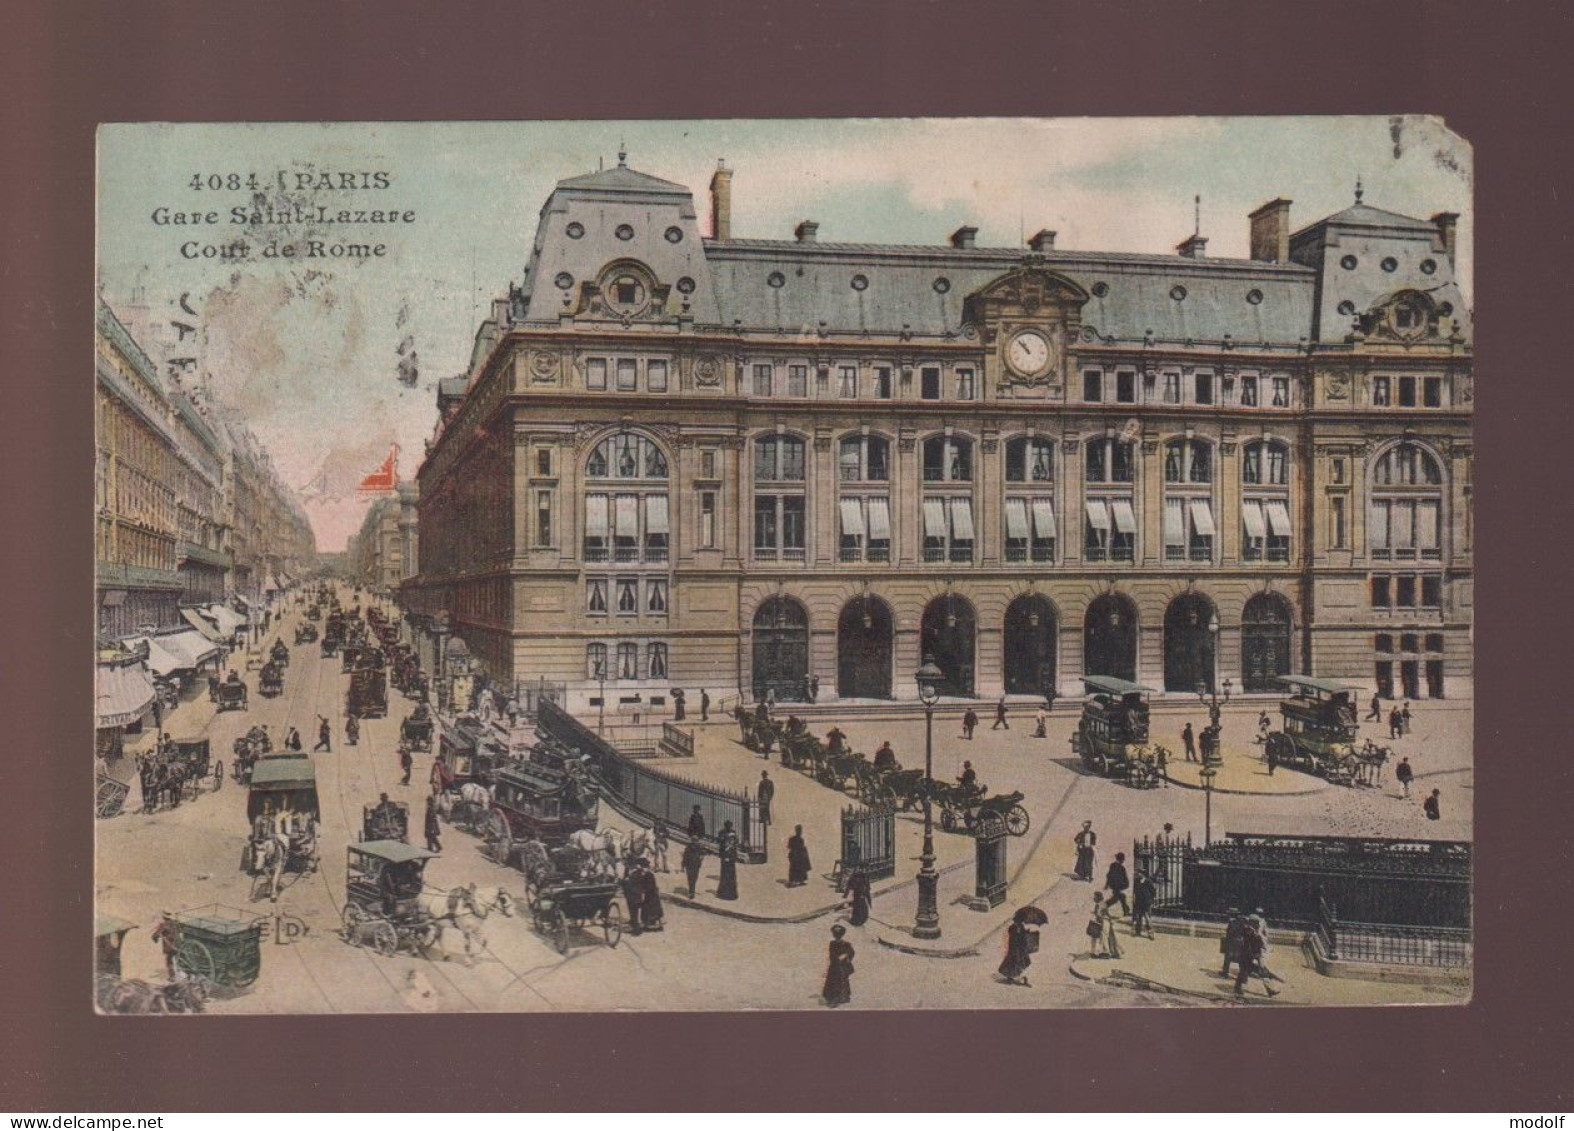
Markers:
point(948, 459)
point(1265, 501)
point(1030, 501)
point(864, 503)
point(626, 502)
point(1188, 501)
point(780, 509)
point(1110, 530)
point(1406, 519)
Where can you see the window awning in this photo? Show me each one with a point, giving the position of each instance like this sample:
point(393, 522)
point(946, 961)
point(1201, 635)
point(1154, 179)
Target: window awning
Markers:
point(1251, 514)
point(1016, 518)
point(1278, 518)
point(852, 519)
point(880, 518)
point(192, 647)
point(656, 514)
point(1098, 514)
point(1125, 517)
point(162, 661)
point(1174, 522)
point(962, 520)
point(934, 518)
point(1044, 520)
point(124, 694)
point(1202, 517)
point(595, 516)
point(627, 516)
point(229, 621)
point(199, 621)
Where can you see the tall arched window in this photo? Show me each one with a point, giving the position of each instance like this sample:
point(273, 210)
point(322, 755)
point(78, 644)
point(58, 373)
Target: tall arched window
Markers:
point(1111, 528)
point(864, 503)
point(1406, 522)
point(948, 499)
point(1265, 501)
point(1030, 499)
point(779, 499)
point(626, 515)
point(1188, 501)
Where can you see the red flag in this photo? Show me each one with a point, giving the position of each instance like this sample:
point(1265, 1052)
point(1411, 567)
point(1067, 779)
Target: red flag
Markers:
point(385, 479)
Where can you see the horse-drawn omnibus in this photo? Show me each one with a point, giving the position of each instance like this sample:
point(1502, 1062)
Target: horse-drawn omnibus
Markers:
point(532, 802)
point(469, 751)
point(1112, 736)
point(368, 694)
point(1320, 730)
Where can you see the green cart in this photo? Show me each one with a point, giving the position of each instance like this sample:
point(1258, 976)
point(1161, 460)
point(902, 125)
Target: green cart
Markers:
point(221, 945)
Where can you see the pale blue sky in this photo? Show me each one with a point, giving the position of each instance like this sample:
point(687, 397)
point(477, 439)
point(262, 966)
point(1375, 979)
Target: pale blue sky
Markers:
point(309, 355)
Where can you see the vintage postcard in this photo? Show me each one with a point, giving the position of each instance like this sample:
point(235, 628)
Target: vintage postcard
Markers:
point(723, 565)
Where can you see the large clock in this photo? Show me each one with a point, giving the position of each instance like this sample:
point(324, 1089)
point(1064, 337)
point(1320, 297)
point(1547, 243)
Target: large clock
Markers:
point(1029, 354)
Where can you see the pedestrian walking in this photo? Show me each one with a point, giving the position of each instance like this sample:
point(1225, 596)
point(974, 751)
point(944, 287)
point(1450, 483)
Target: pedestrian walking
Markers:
point(1404, 718)
point(292, 739)
point(352, 731)
point(167, 935)
point(1106, 916)
point(1375, 715)
point(1189, 741)
point(838, 987)
point(1273, 759)
point(660, 842)
point(434, 830)
point(1086, 841)
point(766, 793)
point(1021, 942)
point(797, 859)
point(1000, 715)
point(704, 706)
point(324, 736)
point(814, 688)
point(651, 915)
point(1404, 774)
point(1395, 723)
point(1259, 923)
point(1162, 764)
point(406, 763)
point(1143, 895)
point(1251, 948)
point(1116, 882)
point(1095, 929)
point(1264, 725)
point(677, 705)
point(1230, 944)
point(693, 856)
point(969, 721)
point(859, 897)
point(1040, 722)
point(696, 827)
point(1433, 806)
point(727, 850)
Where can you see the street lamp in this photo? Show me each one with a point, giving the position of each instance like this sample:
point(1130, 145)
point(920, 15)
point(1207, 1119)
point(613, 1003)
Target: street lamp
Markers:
point(1213, 750)
point(1207, 774)
point(927, 923)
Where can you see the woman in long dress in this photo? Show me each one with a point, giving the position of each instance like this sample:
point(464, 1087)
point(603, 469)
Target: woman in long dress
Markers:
point(1018, 955)
point(858, 897)
point(838, 989)
point(1107, 916)
point(727, 850)
point(797, 859)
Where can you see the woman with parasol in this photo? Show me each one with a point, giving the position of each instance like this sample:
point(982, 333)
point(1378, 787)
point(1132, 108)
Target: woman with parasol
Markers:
point(1021, 943)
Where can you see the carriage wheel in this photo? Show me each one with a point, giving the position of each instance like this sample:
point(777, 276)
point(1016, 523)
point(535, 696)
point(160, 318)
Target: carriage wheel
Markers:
point(218, 774)
point(108, 802)
point(948, 820)
point(612, 924)
point(560, 931)
point(195, 959)
point(1017, 821)
point(245, 975)
point(383, 938)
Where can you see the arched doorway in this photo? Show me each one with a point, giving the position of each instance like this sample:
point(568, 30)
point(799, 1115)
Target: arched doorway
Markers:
point(1030, 646)
point(947, 632)
point(863, 650)
point(781, 649)
point(1109, 638)
point(1266, 625)
point(1188, 644)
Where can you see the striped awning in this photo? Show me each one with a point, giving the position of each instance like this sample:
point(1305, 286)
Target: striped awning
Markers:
point(189, 649)
point(198, 619)
point(230, 622)
point(124, 694)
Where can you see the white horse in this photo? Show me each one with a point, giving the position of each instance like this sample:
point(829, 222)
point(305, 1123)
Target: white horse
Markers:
point(266, 861)
point(464, 909)
point(468, 805)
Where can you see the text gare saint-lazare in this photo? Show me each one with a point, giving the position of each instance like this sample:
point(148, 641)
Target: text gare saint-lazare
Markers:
point(260, 213)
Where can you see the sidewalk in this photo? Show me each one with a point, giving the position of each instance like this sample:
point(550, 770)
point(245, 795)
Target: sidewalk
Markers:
point(1244, 770)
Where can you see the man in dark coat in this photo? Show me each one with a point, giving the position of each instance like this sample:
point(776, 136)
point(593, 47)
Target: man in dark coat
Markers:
point(1395, 723)
point(1000, 715)
point(1086, 840)
point(693, 856)
point(969, 721)
point(1273, 759)
point(433, 829)
point(859, 897)
point(696, 825)
point(406, 763)
point(704, 706)
point(1230, 944)
point(968, 778)
point(1143, 896)
point(766, 794)
point(1432, 806)
point(797, 859)
point(1189, 741)
point(838, 987)
point(814, 688)
point(727, 851)
point(885, 759)
point(836, 741)
point(352, 730)
point(1404, 775)
point(650, 911)
point(1375, 715)
point(1116, 881)
point(324, 736)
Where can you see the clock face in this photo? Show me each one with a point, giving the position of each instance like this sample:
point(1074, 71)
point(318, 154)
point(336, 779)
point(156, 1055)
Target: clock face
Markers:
point(1028, 354)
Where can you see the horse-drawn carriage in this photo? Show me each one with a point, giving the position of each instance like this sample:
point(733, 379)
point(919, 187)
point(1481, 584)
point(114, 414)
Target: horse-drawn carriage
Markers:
point(231, 695)
point(559, 906)
point(416, 729)
point(964, 808)
point(1320, 731)
point(280, 653)
point(306, 633)
point(1112, 736)
point(386, 820)
point(368, 694)
point(270, 684)
point(469, 751)
point(220, 945)
point(383, 886)
point(284, 814)
point(193, 762)
point(537, 803)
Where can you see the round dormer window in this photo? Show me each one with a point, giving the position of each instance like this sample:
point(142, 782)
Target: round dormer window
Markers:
point(1347, 308)
point(1429, 267)
point(575, 230)
point(1445, 309)
point(942, 285)
point(624, 231)
point(686, 285)
point(1390, 264)
point(777, 279)
point(1100, 290)
point(1254, 296)
point(627, 293)
point(860, 282)
point(563, 280)
point(674, 234)
point(1178, 293)
point(1349, 262)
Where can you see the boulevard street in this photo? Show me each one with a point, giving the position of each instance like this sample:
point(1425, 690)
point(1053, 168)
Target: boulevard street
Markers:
point(709, 958)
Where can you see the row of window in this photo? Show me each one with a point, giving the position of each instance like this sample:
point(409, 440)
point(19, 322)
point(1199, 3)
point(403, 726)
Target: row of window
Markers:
point(1407, 591)
point(1247, 391)
point(1402, 391)
point(628, 660)
point(623, 596)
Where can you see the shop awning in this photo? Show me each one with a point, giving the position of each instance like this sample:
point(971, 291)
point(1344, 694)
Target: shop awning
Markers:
point(124, 694)
point(271, 585)
point(162, 661)
point(209, 629)
point(230, 622)
point(192, 649)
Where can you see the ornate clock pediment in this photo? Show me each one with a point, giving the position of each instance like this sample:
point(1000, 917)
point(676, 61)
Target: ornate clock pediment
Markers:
point(1404, 316)
point(1028, 321)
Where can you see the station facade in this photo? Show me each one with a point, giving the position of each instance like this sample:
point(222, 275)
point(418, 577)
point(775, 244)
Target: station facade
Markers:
point(757, 466)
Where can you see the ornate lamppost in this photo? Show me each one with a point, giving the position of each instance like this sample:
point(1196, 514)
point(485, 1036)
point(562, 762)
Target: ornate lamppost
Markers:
point(927, 923)
point(1210, 698)
point(1207, 773)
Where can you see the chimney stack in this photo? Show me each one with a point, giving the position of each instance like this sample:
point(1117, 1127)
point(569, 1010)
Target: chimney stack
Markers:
point(721, 202)
point(807, 231)
point(1193, 247)
point(1042, 240)
point(1271, 232)
point(963, 237)
point(1445, 222)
